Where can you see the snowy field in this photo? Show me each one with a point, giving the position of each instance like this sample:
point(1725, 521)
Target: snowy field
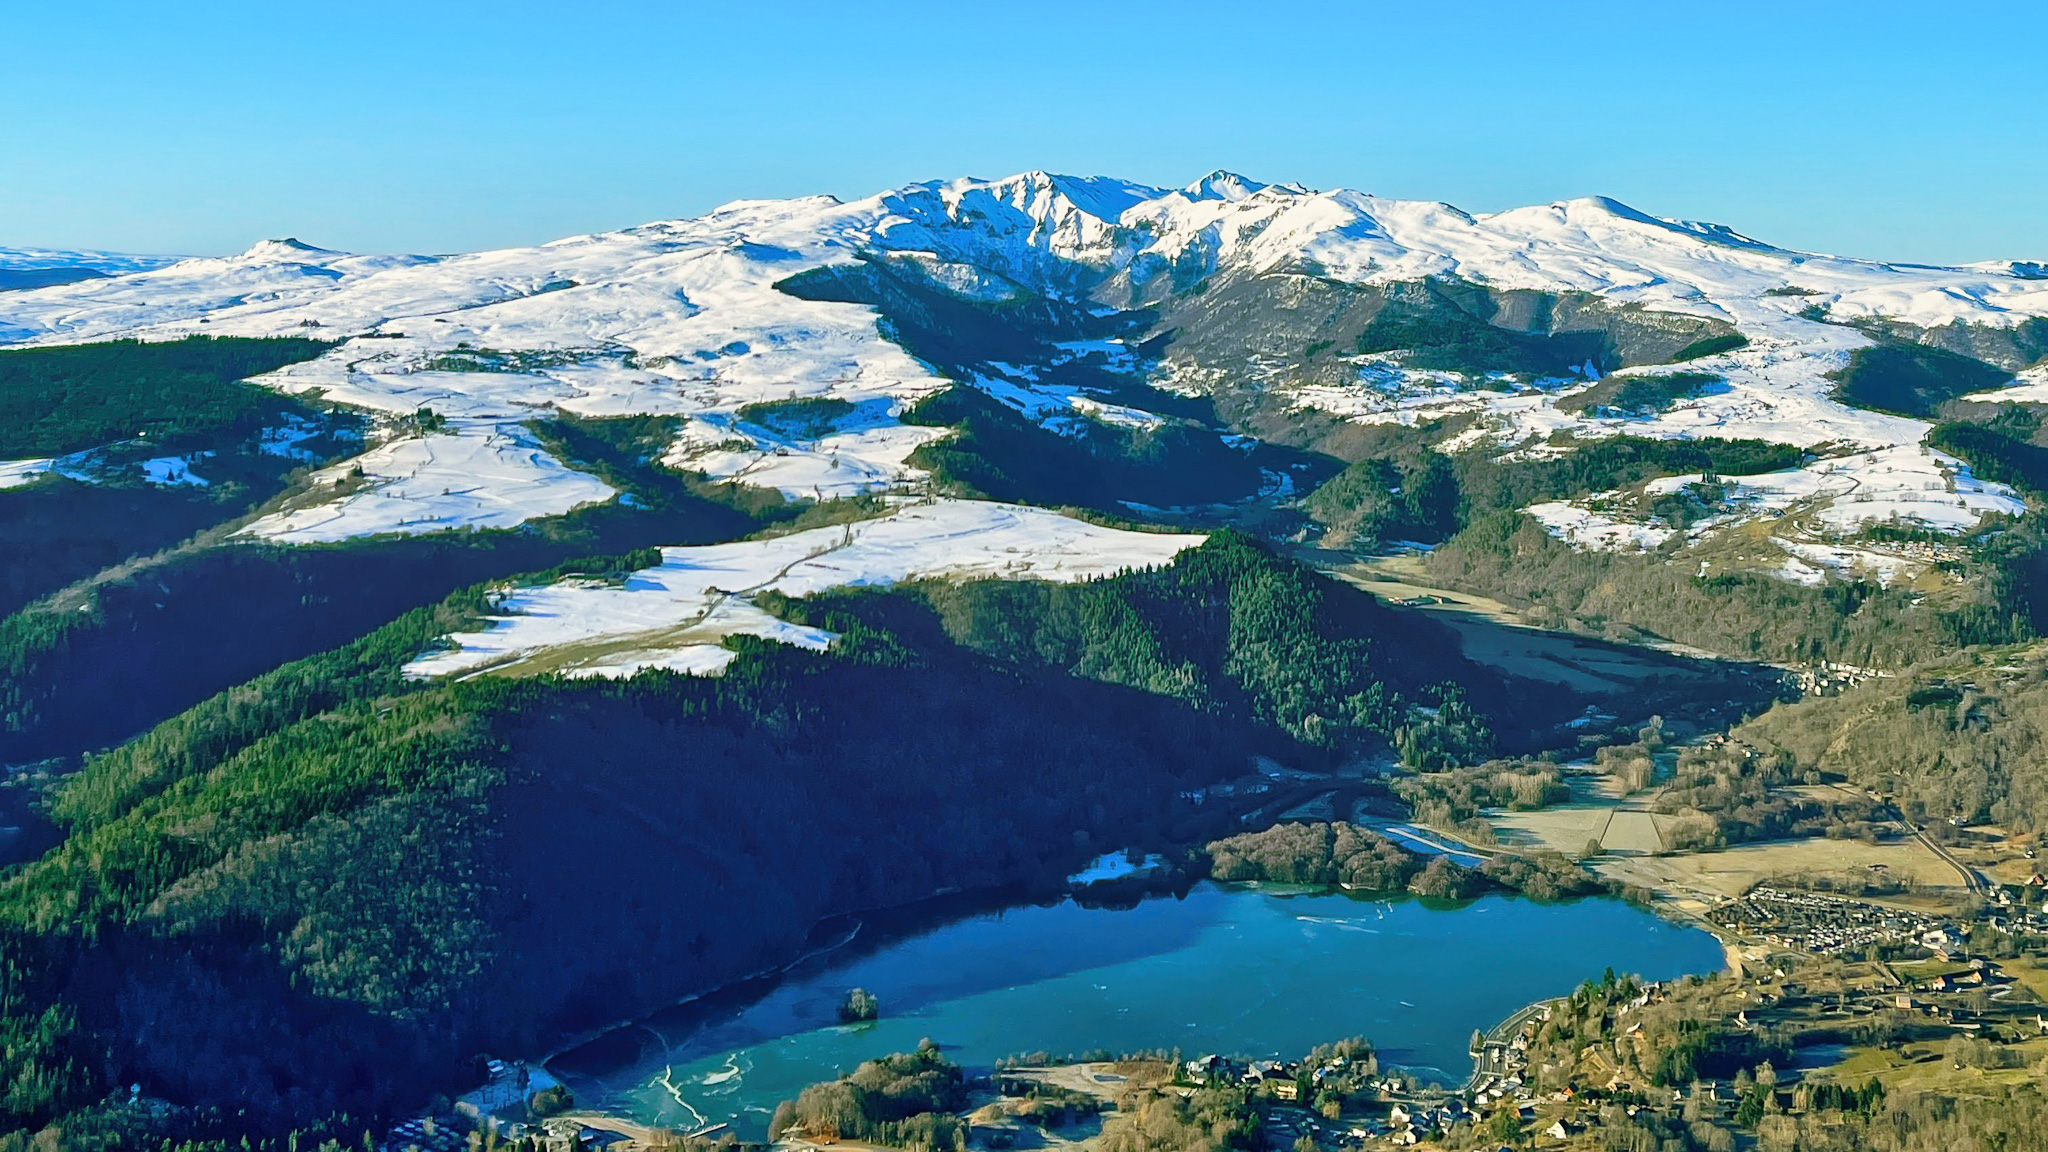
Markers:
point(1914, 486)
point(481, 474)
point(671, 319)
point(2029, 387)
point(675, 615)
point(1911, 486)
point(15, 473)
point(1776, 389)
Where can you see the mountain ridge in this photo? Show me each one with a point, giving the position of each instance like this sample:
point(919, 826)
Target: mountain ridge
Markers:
point(1092, 195)
point(692, 318)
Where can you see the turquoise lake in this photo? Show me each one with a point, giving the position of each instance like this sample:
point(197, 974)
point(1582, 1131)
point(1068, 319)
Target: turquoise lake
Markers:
point(1238, 970)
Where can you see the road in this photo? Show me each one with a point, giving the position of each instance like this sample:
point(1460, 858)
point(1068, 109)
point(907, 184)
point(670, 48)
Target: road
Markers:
point(1971, 881)
point(1489, 1060)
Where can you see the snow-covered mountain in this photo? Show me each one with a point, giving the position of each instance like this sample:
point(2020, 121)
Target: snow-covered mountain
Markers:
point(686, 318)
point(42, 267)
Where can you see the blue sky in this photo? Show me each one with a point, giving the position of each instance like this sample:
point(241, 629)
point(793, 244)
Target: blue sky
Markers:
point(1897, 131)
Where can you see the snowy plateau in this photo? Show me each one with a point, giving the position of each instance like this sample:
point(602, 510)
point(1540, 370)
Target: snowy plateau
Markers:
point(693, 319)
point(676, 614)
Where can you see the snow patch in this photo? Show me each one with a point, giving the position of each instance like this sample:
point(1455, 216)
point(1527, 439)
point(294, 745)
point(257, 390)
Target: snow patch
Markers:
point(285, 439)
point(171, 472)
point(1857, 563)
point(1115, 866)
point(1798, 571)
point(1597, 531)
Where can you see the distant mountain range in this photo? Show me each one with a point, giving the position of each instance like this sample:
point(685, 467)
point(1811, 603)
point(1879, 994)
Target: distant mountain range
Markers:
point(43, 267)
point(1084, 303)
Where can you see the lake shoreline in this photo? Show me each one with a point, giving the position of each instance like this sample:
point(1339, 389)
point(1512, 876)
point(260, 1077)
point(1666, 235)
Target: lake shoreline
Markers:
point(1258, 970)
point(848, 927)
point(882, 927)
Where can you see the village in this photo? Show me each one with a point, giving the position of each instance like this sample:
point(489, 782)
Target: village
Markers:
point(1822, 923)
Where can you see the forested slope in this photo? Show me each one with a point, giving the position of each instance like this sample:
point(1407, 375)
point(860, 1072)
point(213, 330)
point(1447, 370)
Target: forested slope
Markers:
point(105, 660)
point(325, 889)
point(107, 411)
point(1962, 736)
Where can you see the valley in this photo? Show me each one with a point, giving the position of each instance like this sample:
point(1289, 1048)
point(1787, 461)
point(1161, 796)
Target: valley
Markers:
point(1503, 637)
point(411, 662)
